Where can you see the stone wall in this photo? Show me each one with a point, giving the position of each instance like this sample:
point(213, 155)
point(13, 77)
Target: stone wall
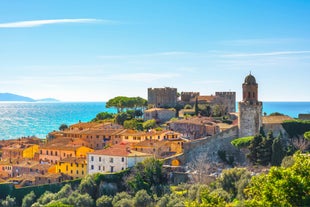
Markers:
point(187, 96)
point(162, 97)
point(228, 99)
point(161, 115)
point(208, 147)
point(250, 118)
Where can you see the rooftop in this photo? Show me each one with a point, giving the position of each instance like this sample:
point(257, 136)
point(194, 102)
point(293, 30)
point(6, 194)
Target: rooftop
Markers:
point(120, 150)
point(275, 119)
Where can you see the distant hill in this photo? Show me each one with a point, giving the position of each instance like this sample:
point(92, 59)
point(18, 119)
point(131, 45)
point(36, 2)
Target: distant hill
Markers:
point(15, 97)
point(47, 100)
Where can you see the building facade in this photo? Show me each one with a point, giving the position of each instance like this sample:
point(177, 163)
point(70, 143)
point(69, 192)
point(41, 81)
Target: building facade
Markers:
point(162, 97)
point(113, 159)
point(159, 114)
point(250, 109)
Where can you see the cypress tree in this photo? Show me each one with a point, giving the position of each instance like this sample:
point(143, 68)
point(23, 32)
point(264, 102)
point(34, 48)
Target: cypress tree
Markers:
point(277, 152)
point(196, 107)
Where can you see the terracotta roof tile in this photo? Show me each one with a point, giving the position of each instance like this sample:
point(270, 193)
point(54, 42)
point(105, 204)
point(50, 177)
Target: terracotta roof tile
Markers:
point(120, 150)
point(275, 119)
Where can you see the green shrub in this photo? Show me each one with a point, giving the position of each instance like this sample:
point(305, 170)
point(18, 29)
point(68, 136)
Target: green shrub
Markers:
point(242, 142)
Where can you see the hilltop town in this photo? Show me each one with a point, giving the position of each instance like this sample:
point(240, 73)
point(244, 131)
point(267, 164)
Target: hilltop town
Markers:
point(181, 129)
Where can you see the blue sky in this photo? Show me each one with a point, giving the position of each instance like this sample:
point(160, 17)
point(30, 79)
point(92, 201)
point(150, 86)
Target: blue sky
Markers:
point(95, 50)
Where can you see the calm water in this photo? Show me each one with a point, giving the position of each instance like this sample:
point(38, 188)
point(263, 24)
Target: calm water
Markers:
point(27, 119)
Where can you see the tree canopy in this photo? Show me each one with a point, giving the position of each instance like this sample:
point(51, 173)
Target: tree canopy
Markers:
point(282, 186)
point(123, 102)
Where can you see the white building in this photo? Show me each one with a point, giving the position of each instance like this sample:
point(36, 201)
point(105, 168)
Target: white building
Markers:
point(113, 159)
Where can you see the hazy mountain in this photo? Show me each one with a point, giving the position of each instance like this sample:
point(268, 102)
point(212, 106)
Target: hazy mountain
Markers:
point(15, 97)
point(47, 100)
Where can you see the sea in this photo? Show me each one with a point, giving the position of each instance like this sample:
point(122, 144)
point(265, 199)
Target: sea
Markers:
point(38, 119)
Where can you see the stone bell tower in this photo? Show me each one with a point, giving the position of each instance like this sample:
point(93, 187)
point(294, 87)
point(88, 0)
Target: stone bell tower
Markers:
point(250, 109)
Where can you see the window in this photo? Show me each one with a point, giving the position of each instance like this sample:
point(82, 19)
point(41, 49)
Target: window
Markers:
point(46, 152)
point(71, 164)
point(99, 159)
point(66, 167)
point(82, 165)
point(77, 172)
point(111, 168)
point(71, 171)
point(97, 136)
point(56, 153)
point(123, 159)
point(99, 167)
point(111, 159)
point(92, 167)
point(92, 158)
point(51, 152)
point(41, 152)
point(82, 172)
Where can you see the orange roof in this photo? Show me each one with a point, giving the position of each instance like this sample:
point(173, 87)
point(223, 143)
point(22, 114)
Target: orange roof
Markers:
point(275, 119)
point(206, 98)
point(130, 132)
point(83, 125)
point(196, 120)
point(120, 150)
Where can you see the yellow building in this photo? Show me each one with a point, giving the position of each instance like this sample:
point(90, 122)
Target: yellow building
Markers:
point(82, 151)
point(54, 153)
point(134, 136)
point(72, 166)
point(30, 151)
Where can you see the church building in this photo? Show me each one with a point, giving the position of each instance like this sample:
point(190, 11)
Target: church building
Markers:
point(250, 109)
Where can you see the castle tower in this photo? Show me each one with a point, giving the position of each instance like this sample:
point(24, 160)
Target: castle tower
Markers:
point(250, 109)
point(162, 97)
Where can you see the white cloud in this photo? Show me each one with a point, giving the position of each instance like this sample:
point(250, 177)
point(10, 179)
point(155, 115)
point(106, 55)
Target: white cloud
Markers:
point(159, 54)
point(142, 77)
point(259, 42)
point(278, 53)
point(37, 23)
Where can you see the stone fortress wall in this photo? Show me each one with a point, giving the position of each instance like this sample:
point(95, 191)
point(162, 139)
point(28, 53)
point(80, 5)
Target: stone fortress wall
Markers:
point(228, 99)
point(162, 97)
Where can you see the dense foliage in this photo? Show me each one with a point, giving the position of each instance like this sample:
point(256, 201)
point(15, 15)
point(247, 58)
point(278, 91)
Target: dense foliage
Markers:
point(104, 116)
point(266, 150)
point(282, 186)
point(242, 142)
point(296, 128)
point(307, 135)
